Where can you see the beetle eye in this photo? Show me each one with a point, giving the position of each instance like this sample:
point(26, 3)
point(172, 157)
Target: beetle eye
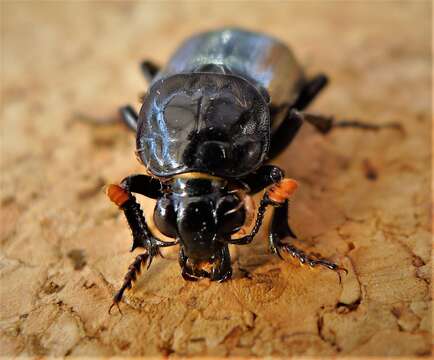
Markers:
point(230, 214)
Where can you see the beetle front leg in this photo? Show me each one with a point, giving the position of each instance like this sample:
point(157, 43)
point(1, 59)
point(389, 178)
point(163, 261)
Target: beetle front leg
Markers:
point(149, 187)
point(274, 196)
point(280, 230)
point(265, 202)
point(142, 236)
point(142, 184)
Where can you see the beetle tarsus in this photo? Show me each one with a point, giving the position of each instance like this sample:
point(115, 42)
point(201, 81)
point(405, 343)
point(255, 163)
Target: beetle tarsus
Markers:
point(303, 258)
point(115, 303)
point(131, 276)
point(367, 126)
point(280, 230)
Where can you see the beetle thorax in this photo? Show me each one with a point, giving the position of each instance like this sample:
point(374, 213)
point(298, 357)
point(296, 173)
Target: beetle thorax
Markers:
point(201, 213)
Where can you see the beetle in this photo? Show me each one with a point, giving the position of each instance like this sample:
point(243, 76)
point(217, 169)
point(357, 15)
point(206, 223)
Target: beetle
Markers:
point(225, 105)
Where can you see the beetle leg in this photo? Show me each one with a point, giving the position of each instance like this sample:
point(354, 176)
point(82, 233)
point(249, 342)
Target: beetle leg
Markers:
point(324, 124)
point(280, 229)
point(143, 184)
point(261, 178)
point(284, 135)
point(130, 277)
point(129, 117)
point(142, 236)
point(149, 69)
point(276, 196)
point(121, 196)
point(311, 90)
point(290, 126)
point(265, 202)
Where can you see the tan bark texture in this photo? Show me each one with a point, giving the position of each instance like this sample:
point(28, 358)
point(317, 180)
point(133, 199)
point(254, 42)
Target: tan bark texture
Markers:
point(364, 199)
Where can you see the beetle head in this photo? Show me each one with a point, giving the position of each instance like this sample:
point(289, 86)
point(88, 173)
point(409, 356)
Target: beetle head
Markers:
point(205, 224)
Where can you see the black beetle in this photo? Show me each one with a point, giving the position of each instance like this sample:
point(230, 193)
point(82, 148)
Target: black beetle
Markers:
point(227, 102)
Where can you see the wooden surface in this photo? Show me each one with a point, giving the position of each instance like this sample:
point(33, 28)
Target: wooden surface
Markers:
point(364, 198)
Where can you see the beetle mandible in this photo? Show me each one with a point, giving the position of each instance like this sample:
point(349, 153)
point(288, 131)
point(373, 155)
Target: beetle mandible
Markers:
point(226, 104)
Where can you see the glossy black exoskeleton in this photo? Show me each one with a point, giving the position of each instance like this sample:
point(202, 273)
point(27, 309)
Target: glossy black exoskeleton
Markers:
point(227, 102)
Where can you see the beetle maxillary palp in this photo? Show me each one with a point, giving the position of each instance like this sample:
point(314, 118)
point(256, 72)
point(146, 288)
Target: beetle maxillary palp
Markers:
point(202, 265)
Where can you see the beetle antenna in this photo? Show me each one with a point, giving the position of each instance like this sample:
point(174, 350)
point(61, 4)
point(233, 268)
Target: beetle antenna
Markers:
point(111, 307)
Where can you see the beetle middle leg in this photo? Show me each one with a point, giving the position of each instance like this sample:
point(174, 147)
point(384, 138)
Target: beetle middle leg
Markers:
point(129, 117)
point(284, 135)
point(311, 90)
point(149, 69)
point(280, 230)
point(324, 124)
